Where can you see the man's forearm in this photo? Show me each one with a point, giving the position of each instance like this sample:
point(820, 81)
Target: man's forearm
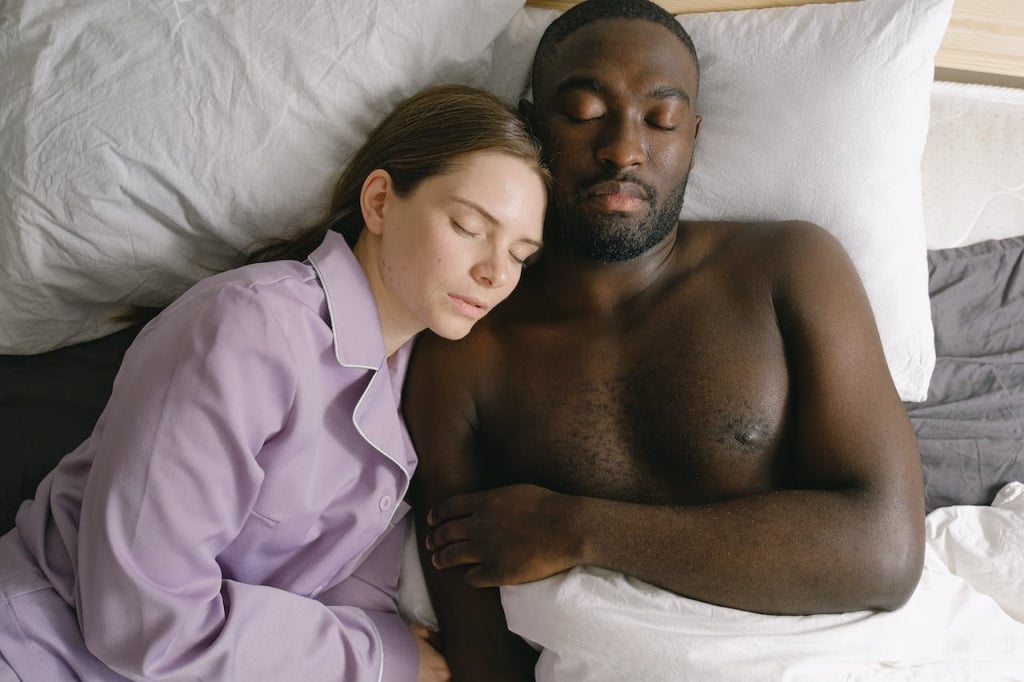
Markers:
point(474, 637)
point(786, 552)
point(476, 641)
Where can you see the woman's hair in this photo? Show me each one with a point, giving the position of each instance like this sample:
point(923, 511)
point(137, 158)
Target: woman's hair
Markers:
point(424, 136)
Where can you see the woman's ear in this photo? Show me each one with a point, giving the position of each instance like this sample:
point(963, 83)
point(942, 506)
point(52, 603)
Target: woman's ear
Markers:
point(374, 195)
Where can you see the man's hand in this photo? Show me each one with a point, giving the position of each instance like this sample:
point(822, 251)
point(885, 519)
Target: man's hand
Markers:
point(432, 665)
point(505, 536)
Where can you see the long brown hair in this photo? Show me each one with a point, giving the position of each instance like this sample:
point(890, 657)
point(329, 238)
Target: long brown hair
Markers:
point(424, 136)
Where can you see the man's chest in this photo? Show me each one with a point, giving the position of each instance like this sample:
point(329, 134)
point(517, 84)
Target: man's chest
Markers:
point(679, 415)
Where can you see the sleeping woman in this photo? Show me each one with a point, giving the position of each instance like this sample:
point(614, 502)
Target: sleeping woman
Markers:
point(238, 513)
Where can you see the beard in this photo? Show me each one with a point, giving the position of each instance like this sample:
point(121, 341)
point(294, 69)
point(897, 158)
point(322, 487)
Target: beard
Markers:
point(616, 237)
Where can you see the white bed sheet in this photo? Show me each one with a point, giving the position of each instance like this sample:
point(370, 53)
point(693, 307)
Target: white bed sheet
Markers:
point(965, 621)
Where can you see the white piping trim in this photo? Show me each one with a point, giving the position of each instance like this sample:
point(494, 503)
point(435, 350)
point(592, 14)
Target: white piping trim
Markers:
point(334, 330)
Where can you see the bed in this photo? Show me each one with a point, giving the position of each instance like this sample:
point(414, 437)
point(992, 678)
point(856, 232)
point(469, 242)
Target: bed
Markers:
point(144, 146)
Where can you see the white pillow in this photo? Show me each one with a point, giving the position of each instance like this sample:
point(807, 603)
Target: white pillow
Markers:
point(818, 112)
point(144, 143)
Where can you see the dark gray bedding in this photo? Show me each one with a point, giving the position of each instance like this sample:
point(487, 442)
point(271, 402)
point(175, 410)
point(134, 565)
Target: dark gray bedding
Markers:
point(971, 428)
point(48, 405)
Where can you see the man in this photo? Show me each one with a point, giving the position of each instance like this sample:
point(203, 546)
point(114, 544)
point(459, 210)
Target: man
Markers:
point(705, 406)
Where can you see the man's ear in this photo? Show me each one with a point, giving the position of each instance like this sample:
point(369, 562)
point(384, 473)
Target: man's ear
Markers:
point(528, 110)
point(373, 197)
point(696, 133)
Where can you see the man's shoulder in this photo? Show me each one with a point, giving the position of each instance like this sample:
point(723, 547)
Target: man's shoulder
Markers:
point(782, 243)
point(763, 231)
point(466, 356)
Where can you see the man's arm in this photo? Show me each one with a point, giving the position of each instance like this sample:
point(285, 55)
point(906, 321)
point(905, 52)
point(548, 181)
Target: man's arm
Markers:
point(439, 412)
point(848, 536)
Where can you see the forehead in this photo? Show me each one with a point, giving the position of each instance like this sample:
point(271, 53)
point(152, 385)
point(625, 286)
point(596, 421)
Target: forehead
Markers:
point(637, 52)
point(503, 187)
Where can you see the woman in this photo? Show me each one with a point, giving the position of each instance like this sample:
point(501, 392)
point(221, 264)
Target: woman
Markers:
point(237, 512)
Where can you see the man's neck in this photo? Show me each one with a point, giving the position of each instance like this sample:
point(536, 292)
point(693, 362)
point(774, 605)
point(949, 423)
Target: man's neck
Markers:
point(578, 285)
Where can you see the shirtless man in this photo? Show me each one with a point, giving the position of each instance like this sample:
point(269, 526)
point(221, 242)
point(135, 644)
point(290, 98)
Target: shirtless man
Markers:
point(705, 406)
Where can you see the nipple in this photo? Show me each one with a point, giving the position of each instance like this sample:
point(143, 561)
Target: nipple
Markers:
point(749, 436)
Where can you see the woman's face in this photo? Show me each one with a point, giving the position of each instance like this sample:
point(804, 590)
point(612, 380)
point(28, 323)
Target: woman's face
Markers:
point(455, 247)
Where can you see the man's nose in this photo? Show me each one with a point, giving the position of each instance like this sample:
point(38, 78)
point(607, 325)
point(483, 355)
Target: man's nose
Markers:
point(622, 143)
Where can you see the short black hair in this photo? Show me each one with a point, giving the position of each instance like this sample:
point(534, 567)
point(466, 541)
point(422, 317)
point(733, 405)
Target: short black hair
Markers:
point(589, 11)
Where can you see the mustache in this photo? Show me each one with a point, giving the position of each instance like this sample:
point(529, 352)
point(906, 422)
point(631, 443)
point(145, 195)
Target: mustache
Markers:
point(614, 175)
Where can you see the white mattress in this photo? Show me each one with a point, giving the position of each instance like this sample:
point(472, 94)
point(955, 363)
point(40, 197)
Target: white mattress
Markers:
point(973, 165)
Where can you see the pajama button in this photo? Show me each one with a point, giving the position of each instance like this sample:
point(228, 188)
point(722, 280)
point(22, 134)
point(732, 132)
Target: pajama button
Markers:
point(385, 503)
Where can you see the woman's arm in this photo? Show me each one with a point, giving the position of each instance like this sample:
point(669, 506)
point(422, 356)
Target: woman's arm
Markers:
point(176, 476)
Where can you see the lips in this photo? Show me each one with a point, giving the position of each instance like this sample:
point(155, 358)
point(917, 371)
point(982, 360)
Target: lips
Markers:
point(618, 196)
point(469, 306)
point(615, 187)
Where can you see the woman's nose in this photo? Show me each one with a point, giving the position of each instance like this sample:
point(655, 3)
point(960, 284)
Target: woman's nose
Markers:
point(492, 271)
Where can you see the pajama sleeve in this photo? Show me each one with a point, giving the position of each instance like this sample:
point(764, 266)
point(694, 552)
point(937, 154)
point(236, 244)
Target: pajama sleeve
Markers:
point(175, 478)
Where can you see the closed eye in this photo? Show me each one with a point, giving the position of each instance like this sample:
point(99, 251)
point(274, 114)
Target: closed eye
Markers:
point(524, 261)
point(461, 230)
point(658, 126)
point(583, 119)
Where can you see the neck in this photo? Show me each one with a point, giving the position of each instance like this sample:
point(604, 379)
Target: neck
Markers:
point(578, 284)
point(396, 325)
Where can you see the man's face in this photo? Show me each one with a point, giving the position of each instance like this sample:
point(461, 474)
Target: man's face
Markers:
point(616, 108)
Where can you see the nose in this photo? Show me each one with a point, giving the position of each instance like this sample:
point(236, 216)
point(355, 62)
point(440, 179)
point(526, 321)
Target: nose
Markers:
point(493, 270)
point(622, 143)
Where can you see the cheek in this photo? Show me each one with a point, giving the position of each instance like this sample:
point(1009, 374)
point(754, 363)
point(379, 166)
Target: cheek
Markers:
point(399, 264)
point(429, 261)
point(675, 156)
point(672, 165)
point(567, 144)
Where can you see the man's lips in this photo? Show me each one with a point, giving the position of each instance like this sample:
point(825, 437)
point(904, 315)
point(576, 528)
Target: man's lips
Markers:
point(469, 306)
point(615, 195)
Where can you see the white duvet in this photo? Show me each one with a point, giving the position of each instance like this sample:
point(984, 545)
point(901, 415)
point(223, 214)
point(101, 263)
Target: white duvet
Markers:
point(965, 621)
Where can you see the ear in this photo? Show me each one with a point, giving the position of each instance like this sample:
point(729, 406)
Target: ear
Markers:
point(696, 132)
point(374, 195)
point(526, 109)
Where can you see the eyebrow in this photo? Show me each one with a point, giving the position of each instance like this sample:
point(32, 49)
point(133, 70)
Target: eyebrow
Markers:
point(580, 83)
point(491, 219)
point(668, 92)
point(596, 86)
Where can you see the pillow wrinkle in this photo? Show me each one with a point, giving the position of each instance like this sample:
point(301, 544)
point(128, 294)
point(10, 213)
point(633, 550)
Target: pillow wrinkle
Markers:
point(144, 145)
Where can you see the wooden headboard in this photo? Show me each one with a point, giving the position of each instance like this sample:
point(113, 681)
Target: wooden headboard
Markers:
point(984, 43)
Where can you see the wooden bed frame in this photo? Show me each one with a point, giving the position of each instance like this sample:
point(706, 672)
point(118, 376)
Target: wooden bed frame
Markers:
point(984, 43)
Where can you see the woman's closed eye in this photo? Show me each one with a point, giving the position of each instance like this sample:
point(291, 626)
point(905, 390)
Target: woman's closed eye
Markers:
point(517, 260)
point(522, 254)
point(465, 232)
point(525, 257)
